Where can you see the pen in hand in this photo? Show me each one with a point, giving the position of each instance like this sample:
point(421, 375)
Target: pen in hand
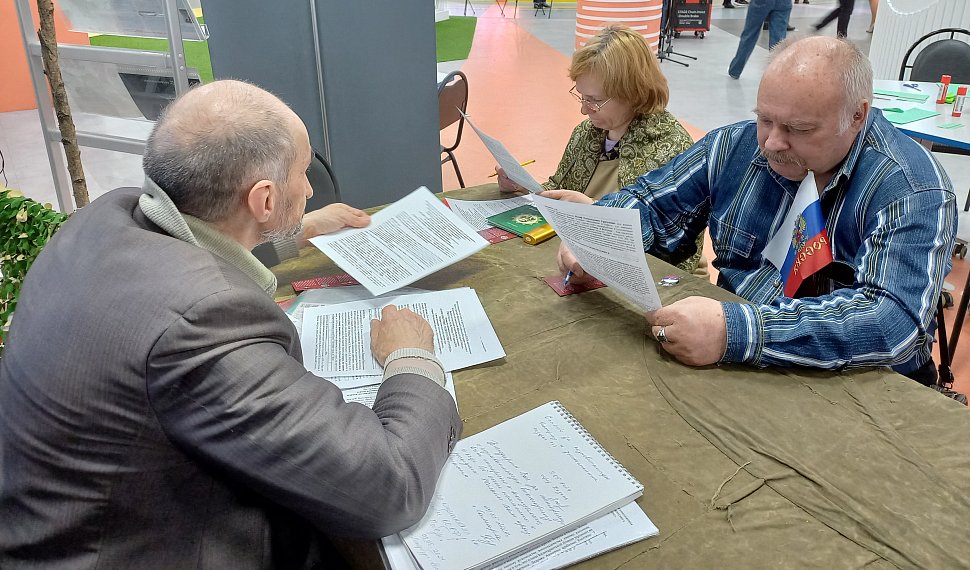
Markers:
point(565, 282)
point(526, 163)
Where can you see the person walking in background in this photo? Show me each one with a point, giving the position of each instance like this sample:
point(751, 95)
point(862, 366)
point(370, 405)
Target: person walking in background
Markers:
point(873, 7)
point(843, 12)
point(775, 13)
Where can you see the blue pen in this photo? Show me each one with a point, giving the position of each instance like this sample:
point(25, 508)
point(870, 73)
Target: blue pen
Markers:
point(565, 282)
point(912, 86)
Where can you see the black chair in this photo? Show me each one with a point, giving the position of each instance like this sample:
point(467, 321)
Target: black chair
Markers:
point(943, 52)
point(325, 191)
point(452, 102)
point(928, 60)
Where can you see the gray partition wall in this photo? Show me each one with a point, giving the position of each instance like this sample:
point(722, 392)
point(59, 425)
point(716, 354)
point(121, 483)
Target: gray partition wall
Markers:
point(361, 74)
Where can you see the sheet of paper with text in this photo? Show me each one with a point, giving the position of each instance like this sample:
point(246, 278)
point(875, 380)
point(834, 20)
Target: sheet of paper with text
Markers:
point(336, 338)
point(408, 240)
point(475, 211)
point(608, 243)
point(513, 169)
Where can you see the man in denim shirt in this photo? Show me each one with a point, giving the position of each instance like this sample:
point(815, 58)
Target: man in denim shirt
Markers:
point(888, 206)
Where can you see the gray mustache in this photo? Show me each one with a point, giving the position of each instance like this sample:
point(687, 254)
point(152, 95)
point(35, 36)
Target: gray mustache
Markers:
point(782, 158)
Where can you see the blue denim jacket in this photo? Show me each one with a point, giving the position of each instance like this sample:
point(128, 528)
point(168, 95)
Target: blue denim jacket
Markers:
point(891, 216)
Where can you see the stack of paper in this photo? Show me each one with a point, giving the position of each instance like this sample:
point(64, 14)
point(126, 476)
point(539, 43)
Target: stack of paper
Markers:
point(335, 333)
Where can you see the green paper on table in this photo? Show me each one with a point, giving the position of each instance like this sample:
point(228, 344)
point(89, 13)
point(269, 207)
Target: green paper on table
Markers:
point(951, 126)
point(917, 97)
point(518, 220)
point(908, 116)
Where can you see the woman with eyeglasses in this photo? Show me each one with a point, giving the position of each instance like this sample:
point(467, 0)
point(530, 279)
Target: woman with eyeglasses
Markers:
point(627, 132)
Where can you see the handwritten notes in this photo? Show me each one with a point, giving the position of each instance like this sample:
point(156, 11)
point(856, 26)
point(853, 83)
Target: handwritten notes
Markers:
point(514, 486)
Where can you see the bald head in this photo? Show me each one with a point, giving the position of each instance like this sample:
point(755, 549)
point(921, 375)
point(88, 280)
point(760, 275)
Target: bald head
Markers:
point(832, 68)
point(214, 142)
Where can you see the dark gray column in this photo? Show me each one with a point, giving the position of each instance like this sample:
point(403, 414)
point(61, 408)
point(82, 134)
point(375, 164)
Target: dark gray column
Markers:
point(360, 74)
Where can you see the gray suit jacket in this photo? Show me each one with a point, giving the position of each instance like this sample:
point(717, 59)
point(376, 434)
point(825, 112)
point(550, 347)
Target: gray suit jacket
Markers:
point(154, 413)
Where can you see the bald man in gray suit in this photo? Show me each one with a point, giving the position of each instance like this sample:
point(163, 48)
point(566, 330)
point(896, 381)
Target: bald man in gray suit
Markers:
point(154, 409)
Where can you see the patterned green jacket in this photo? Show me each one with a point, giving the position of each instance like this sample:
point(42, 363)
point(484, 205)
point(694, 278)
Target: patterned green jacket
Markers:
point(649, 143)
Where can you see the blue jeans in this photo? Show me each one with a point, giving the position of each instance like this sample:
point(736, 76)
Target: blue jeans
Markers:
point(776, 12)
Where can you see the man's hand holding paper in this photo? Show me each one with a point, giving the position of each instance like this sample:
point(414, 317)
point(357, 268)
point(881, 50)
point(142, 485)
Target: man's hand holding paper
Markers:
point(608, 243)
point(567, 196)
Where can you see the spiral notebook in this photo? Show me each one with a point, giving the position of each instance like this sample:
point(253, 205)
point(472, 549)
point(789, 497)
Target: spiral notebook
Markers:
point(514, 486)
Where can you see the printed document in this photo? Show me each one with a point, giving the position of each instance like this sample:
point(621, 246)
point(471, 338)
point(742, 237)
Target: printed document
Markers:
point(475, 211)
point(336, 338)
point(513, 169)
point(367, 393)
point(608, 243)
point(334, 295)
point(408, 240)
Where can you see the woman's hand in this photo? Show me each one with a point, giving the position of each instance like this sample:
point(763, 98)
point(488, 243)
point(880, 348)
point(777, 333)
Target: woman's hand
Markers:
point(505, 183)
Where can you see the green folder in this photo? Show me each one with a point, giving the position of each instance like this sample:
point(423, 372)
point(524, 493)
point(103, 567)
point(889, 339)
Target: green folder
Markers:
point(518, 220)
point(917, 97)
point(907, 116)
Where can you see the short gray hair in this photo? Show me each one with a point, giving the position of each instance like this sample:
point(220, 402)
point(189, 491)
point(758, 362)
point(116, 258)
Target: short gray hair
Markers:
point(852, 69)
point(215, 142)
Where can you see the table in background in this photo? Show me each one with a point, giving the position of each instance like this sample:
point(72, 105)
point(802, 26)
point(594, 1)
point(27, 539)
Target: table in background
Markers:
point(742, 468)
point(928, 129)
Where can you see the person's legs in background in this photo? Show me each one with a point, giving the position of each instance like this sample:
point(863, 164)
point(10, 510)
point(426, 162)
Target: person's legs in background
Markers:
point(873, 6)
point(827, 19)
point(758, 10)
point(778, 22)
point(788, 26)
point(845, 12)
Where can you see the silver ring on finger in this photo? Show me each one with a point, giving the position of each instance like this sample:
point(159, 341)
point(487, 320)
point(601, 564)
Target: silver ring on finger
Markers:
point(662, 335)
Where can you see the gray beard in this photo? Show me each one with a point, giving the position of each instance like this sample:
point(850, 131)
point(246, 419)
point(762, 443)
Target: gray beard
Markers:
point(283, 233)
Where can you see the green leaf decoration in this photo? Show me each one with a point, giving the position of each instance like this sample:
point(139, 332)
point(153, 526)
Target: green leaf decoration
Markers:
point(25, 228)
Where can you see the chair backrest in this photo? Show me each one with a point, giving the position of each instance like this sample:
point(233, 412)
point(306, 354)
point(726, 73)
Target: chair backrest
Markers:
point(324, 183)
point(927, 59)
point(452, 96)
point(325, 191)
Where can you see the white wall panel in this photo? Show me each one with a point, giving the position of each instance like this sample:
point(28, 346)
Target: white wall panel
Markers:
point(897, 27)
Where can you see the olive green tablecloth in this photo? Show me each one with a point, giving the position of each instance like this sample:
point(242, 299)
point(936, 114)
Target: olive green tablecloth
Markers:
point(742, 468)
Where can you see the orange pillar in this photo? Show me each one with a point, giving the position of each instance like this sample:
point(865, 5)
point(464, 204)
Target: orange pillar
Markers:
point(17, 93)
point(643, 16)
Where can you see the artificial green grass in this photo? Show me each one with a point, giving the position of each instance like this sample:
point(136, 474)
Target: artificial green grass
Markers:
point(453, 40)
point(196, 53)
point(453, 37)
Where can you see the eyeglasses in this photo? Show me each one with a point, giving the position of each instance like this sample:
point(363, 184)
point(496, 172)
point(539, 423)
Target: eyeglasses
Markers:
point(590, 104)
